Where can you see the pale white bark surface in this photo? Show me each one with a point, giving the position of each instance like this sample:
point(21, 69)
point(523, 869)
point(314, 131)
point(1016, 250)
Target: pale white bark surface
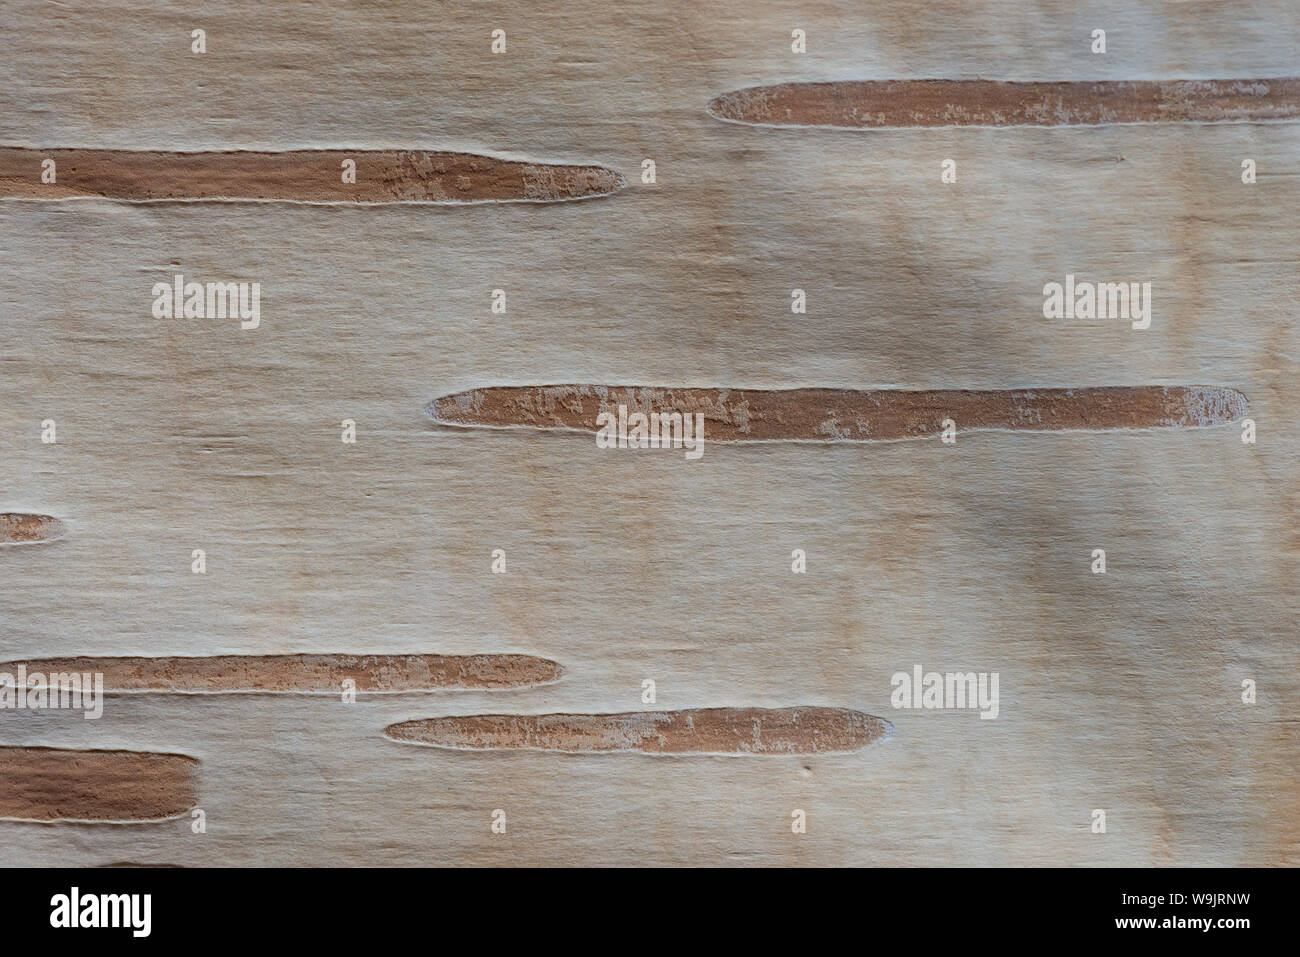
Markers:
point(1120, 692)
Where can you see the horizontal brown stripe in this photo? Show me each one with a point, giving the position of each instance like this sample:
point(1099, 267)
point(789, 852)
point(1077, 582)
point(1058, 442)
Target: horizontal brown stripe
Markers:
point(869, 104)
point(137, 864)
point(304, 673)
point(52, 784)
point(312, 176)
point(23, 528)
point(732, 415)
point(698, 731)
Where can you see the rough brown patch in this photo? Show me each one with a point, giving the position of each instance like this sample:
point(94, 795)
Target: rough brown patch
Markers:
point(22, 528)
point(867, 104)
point(306, 673)
point(734, 415)
point(698, 731)
point(311, 176)
point(51, 784)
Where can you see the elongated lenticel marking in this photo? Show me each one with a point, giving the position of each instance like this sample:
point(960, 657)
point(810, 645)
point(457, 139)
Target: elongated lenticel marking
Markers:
point(811, 730)
point(877, 104)
point(24, 528)
point(53, 784)
point(137, 864)
point(310, 674)
point(847, 415)
point(304, 176)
